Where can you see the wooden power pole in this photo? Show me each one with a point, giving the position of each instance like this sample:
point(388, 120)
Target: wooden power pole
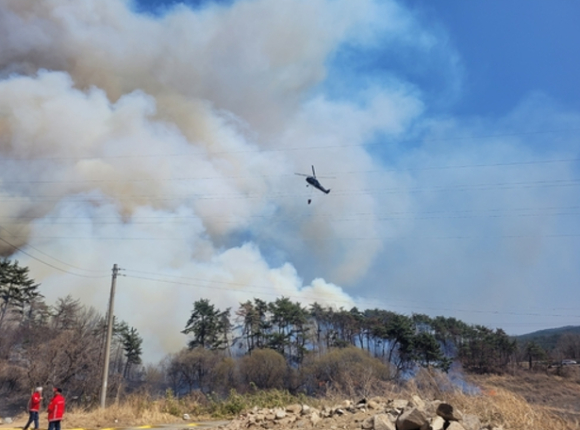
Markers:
point(109, 336)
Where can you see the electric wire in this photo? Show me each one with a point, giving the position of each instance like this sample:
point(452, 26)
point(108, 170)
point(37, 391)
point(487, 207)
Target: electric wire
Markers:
point(46, 263)
point(372, 300)
point(225, 219)
point(540, 184)
point(345, 192)
point(335, 238)
point(197, 151)
point(336, 173)
point(264, 287)
point(28, 245)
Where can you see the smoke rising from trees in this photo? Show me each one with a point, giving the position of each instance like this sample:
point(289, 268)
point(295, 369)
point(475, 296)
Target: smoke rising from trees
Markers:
point(168, 145)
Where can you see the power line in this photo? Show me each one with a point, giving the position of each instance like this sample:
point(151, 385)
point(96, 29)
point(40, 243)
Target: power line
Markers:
point(224, 219)
point(197, 152)
point(268, 288)
point(372, 300)
point(493, 212)
point(336, 173)
point(47, 264)
point(51, 257)
point(329, 239)
point(336, 192)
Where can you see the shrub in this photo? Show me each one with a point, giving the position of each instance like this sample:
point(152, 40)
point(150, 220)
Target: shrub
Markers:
point(347, 370)
point(265, 368)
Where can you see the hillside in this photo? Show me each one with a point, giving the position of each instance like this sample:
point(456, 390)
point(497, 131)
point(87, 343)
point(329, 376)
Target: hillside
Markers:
point(547, 339)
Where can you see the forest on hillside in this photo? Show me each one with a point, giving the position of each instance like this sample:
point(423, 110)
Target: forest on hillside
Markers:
point(260, 345)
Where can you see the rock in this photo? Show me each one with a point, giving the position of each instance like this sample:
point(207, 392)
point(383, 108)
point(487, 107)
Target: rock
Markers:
point(383, 422)
point(314, 418)
point(447, 412)
point(454, 425)
point(437, 423)
point(186, 417)
point(411, 419)
point(431, 407)
point(418, 402)
point(397, 414)
point(399, 404)
point(294, 409)
point(285, 422)
point(471, 422)
point(7, 420)
point(369, 423)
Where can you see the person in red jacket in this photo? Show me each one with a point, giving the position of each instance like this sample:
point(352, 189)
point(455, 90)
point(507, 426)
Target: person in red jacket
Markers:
point(55, 409)
point(34, 407)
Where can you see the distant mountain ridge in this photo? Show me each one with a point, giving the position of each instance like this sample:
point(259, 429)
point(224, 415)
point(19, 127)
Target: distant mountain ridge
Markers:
point(548, 338)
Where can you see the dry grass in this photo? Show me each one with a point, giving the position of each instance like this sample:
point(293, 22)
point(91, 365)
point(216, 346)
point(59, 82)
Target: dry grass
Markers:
point(119, 415)
point(138, 410)
point(515, 402)
point(135, 410)
point(142, 410)
point(497, 401)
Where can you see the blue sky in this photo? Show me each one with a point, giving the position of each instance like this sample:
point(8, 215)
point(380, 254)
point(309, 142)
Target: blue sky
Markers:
point(510, 49)
point(164, 138)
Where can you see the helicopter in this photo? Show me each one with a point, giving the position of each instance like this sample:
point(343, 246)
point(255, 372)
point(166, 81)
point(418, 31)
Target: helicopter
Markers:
point(314, 182)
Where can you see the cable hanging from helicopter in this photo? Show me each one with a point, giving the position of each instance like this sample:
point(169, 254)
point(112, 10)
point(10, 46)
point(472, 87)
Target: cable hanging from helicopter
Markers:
point(314, 182)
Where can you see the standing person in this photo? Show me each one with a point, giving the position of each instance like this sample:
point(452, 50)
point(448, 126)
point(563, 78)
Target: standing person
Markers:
point(55, 409)
point(34, 407)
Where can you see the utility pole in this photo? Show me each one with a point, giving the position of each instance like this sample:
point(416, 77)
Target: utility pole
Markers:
point(109, 336)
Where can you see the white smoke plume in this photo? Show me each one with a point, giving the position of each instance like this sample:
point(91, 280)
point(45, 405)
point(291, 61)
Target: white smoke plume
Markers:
point(168, 145)
point(159, 143)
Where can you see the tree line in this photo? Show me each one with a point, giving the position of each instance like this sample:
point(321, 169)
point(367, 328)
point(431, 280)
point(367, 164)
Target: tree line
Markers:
point(295, 331)
point(62, 344)
point(278, 344)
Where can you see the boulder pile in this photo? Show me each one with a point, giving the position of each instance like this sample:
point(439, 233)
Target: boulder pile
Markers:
point(377, 413)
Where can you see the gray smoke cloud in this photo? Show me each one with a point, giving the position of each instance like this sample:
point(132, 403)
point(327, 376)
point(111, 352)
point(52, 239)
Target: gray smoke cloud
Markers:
point(158, 143)
point(168, 145)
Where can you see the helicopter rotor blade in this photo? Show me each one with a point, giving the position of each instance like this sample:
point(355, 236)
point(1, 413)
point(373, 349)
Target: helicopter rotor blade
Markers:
point(301, 174)
point(313, 172)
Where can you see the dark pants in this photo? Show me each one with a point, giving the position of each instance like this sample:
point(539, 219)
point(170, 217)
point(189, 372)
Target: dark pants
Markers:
point(32, 418)
point(54, 425)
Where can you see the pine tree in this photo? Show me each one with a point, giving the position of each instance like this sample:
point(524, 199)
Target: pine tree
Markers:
point(208, 325)
point(132, 346)
point(17, 290)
